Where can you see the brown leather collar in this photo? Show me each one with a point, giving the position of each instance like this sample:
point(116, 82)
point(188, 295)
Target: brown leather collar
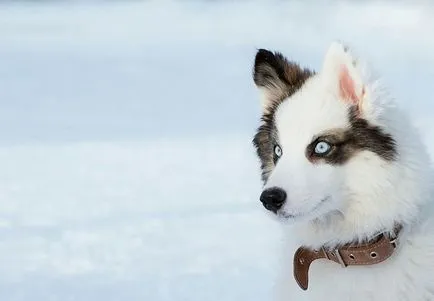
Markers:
point(364, 254)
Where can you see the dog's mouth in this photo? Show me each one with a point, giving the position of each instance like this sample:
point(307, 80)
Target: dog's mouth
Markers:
point(299, 215)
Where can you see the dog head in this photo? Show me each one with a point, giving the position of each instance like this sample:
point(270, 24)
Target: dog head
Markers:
point(330, 142)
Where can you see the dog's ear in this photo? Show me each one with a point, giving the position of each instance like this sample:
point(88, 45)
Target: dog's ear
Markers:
point(343, 72)
point(277, 77)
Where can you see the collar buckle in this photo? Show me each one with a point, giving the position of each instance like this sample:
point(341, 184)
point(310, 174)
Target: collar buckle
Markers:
point(340, 259)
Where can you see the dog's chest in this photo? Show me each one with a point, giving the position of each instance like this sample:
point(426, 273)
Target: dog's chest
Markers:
point(356, 283)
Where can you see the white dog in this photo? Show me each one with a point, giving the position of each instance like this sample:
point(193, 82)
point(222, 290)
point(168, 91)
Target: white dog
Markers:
point(348, 174)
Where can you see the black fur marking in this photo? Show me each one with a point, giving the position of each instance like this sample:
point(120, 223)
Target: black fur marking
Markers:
point(264, 76)
point(361, 135)
point(282, 78)
point(264, 142)
point(372, 138)
point(276, 74)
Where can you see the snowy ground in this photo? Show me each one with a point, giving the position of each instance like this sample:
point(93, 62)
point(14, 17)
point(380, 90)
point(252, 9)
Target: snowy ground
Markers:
point(126, 166)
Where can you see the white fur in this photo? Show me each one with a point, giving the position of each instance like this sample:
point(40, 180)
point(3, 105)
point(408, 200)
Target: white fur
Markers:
point(365, 196)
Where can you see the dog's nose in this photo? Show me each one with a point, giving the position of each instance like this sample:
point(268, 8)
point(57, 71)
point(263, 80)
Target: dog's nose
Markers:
point(273, 198)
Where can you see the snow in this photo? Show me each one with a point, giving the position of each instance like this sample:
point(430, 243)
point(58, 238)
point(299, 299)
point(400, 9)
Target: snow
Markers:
point(127, 171)
point(119, 221)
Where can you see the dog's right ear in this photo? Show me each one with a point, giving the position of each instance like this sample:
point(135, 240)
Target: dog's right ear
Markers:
point(277, 77)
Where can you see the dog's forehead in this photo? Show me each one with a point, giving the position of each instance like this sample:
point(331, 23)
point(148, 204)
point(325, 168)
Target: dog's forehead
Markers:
point(309, 112)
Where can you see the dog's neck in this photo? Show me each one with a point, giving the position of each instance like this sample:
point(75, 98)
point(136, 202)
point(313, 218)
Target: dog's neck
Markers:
point(333, 230)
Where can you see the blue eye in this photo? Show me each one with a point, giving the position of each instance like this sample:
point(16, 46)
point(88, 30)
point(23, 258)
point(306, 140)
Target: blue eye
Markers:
point(278, 151)
point(321, 148)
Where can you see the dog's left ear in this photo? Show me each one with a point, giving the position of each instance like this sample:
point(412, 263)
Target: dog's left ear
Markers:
point(277, 77)
point(343, 73)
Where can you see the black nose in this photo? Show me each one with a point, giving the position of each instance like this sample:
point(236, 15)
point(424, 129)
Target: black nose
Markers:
point(273, 198)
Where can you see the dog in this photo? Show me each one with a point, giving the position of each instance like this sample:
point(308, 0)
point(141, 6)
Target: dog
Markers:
point(349, 176)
